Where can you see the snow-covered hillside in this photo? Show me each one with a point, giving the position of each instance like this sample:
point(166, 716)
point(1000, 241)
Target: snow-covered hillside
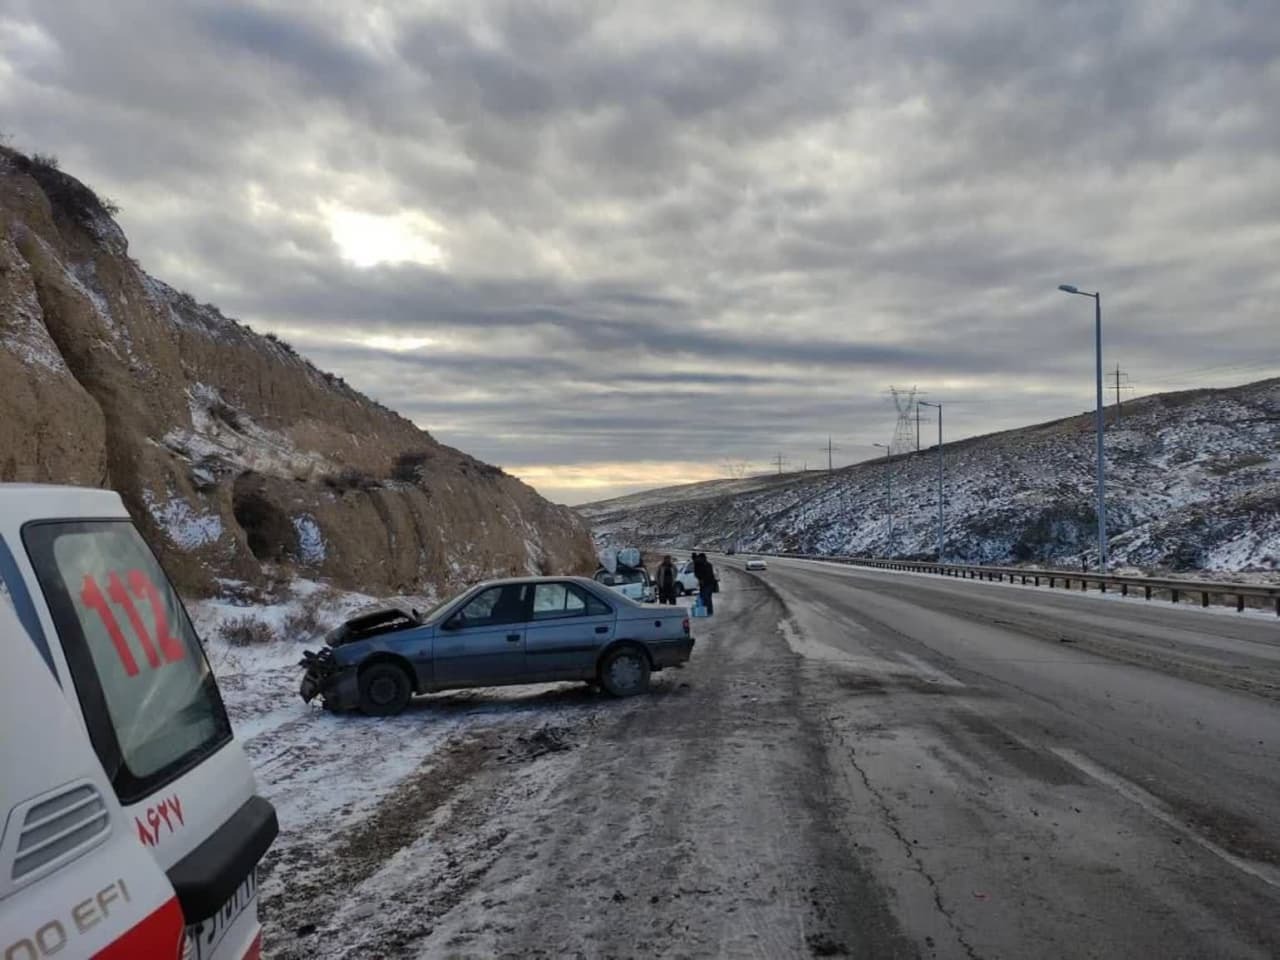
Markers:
point(1193, 483)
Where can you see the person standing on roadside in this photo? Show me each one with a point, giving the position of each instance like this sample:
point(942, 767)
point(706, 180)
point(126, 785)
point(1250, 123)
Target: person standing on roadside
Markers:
point(706, 575)
point(666, 578)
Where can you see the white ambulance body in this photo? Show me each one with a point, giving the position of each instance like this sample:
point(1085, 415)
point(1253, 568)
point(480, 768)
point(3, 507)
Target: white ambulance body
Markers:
point(74, 881)
point(101, 614)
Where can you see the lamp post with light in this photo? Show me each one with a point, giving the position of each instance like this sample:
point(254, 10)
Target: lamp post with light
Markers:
point(926, 403)
point(1098, 429)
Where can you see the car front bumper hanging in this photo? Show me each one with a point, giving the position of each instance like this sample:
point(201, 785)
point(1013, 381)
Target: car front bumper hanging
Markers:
point(339, 687)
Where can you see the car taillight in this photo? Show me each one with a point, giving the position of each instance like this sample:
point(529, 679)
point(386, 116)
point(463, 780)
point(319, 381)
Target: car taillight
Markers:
point(686, 624)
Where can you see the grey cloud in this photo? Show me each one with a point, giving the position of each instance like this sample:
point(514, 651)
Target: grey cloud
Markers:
point(241, 31)
point(692, 236)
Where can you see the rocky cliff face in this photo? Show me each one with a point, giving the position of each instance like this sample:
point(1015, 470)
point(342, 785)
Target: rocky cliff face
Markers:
point(1193, 483)
point(238, 458)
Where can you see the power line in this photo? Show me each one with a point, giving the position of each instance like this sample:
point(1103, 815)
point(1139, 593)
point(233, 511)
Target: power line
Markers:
point(778, 461)
point(829, 448)
point(1118, 387)
point(905, 400)
point(1180, 376)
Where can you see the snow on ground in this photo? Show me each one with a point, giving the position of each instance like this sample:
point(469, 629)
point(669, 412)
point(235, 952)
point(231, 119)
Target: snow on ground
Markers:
point(188, 529)
point(220, 429)
point(310, 540)
point(25, 335)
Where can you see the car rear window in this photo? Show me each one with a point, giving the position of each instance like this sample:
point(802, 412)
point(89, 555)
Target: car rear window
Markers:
point(554, 600)
point(149, 698)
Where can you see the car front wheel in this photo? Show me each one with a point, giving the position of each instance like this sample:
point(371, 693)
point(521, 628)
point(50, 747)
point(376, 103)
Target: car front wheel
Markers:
point(624, 672)
point(384, 690)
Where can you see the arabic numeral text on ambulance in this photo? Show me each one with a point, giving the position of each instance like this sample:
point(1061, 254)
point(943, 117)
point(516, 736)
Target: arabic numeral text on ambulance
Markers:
point(165, 648)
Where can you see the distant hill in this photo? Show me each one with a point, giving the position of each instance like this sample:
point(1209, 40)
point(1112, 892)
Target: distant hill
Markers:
point(1193, 483)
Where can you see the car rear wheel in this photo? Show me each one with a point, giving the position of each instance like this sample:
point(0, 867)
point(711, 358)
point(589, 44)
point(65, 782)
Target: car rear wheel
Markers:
point(384, 690)
point(624, 672)
point(680, 590)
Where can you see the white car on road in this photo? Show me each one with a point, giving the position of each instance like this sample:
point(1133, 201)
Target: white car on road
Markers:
point(631, 582)
point(757, 563)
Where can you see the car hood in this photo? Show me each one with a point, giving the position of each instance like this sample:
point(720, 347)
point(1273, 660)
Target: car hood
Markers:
point(385, 619)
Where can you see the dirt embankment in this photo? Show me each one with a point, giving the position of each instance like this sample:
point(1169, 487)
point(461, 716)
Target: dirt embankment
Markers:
point(237, 456)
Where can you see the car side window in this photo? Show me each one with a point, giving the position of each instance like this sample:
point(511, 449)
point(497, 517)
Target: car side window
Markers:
point(497, 605)
point(554, 600)
point(595, 606)
point(574, 604)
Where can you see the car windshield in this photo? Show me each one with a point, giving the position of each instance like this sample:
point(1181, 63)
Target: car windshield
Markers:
point(434, 613)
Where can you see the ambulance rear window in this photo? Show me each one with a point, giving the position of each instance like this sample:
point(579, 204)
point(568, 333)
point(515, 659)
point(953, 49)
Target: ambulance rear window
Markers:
point(149, 698)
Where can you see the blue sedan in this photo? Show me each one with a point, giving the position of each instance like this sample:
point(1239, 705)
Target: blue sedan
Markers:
point(522, 630)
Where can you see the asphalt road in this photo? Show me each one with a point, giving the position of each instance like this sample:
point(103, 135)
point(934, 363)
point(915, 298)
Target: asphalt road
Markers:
point(854, 764)
point(1051, 774)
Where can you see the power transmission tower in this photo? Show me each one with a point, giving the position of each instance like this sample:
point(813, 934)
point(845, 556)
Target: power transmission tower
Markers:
point(905, 401)
point(829, 448)
point(1120, 385)
point(778, 461)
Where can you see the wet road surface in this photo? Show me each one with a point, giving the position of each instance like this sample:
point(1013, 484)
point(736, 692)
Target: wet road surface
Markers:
point(855, 763)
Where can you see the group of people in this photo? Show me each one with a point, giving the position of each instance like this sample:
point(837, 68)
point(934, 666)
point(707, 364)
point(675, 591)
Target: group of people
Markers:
point(668, 577)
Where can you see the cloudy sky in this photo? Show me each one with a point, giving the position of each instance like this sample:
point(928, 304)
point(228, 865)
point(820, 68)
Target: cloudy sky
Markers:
point(610, 246)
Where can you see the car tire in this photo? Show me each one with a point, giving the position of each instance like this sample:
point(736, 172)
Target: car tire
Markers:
point(624, 671)
point(385, 690)
point(680, 590)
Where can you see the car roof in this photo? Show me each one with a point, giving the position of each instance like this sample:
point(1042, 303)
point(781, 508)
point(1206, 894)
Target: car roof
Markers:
point(512, 580)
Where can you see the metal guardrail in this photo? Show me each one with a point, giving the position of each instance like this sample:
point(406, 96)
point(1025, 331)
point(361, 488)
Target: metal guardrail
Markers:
point(1175, 588)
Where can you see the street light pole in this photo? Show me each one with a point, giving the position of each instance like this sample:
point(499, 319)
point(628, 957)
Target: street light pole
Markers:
point(1098, 421)
point(926, 403)
point(888, 489)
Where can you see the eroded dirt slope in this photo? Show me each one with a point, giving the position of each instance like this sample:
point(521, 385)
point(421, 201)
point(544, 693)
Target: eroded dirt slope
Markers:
point(231, 450)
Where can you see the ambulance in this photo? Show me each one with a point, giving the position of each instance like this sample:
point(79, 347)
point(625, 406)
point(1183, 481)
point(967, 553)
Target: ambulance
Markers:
point(108, 629)
point(74, 881)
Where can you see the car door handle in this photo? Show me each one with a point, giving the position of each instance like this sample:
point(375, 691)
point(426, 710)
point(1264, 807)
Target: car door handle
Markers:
point(513, 638)
point(602, 629)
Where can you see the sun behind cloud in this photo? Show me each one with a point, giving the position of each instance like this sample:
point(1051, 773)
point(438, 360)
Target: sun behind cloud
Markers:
point(369, 239)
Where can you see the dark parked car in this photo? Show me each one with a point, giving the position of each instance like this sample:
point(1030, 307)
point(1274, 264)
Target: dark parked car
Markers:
point(525, 630)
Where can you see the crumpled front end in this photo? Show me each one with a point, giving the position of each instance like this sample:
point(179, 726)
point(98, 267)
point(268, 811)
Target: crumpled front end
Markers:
point(337, 686)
